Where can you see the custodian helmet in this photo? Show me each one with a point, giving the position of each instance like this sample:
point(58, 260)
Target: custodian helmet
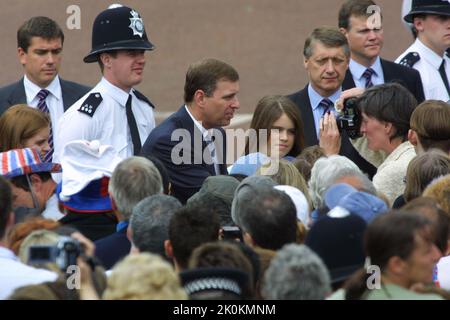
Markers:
point(117, 28)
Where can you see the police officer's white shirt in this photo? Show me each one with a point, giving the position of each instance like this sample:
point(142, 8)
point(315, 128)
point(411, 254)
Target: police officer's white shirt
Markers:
point(51, 210)
point(14, 274)
point(54, 100)
point(108, 123)
point(207, 137)
point(357, 70)
point(428, 67)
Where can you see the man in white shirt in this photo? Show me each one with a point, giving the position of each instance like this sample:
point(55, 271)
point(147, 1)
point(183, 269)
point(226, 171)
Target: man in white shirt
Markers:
point(113, 112)
point(40, 44)
point(431, 19)
point(13, 273)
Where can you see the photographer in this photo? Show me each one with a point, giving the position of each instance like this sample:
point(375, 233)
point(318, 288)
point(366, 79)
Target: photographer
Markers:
point(326, 57)
point(386, 111)
point(71, 256)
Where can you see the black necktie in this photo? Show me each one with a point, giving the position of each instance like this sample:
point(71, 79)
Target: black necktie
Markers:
point(368, 76)
point(444, 76)
point(133, 128)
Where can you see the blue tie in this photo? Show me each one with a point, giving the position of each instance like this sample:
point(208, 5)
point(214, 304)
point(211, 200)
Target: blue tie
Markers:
point(42, 106)
point(326, 105)
point(368, 76)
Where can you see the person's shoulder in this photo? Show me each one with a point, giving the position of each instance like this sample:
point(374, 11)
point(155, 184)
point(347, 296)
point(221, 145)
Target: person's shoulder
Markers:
point(298, 94)
point(143, 98)
point(74, 86)
point(403, 70)
point(4, 90)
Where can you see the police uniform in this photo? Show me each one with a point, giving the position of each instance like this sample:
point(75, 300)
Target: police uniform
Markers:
point(100, 115)
point(427, 62)
point(104, 113)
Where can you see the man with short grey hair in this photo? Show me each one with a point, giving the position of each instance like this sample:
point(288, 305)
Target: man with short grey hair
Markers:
point(133, 179)
point(296, 273)
point(326, 56)
point(149, 223)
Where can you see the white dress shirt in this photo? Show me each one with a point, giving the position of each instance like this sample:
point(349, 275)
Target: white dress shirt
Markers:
point(108, 123)
point(14, 274)
point(207, 137)
point(428, 67)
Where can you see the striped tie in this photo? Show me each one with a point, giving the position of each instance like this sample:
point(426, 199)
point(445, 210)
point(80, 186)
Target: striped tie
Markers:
point(326, 105)
point(368, 76)
point(42, 106)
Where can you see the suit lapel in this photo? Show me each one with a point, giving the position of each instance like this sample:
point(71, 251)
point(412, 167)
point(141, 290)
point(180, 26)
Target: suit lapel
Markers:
point(348, 81)
point(186, 122)
point(388, 73)
point(18, 95)
point(308, 118)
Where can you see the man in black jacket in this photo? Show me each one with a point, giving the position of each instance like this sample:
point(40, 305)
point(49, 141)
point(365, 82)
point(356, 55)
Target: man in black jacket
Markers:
point(326, 58)
point(361, 23)
point(39, 48)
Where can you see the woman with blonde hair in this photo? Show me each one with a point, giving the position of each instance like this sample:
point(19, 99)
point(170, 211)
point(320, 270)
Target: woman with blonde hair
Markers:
point(285, 173)
point(144, 276)
point(22, 126)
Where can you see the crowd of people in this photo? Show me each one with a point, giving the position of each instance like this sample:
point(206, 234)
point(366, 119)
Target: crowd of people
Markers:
point(342, 190)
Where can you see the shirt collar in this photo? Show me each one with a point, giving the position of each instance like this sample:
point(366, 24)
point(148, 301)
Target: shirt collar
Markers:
point(316, 98)
point(116, 93)
point(202, 129)
point(432, 57)
point(31, 89)
point(358, 70)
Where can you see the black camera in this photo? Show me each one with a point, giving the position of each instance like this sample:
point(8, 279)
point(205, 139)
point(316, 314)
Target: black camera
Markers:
point(63, 254)
point(232, 233)
point(349, 119)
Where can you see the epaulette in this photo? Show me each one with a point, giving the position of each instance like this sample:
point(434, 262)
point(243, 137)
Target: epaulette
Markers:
point(90, 105)
point(140, 96)
point(410, 59)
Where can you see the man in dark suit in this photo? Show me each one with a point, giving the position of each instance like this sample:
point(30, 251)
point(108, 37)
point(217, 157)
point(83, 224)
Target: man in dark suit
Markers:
point(191, 142)
point(40, 43)
point(361, 24)
point(133, 180)
point(326, 58)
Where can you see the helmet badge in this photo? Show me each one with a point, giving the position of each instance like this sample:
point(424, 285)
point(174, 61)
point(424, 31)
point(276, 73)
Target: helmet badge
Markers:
point(137, 25)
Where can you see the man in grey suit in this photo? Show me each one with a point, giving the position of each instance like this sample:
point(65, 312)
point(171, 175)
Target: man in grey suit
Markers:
point(40, 43)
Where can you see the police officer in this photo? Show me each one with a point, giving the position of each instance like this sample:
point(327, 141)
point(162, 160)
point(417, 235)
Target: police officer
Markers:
point(113, 112)
point(431, 19)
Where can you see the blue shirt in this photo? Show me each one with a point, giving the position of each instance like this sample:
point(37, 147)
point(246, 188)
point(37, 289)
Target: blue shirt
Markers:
point(315, 99)
point(357, 71)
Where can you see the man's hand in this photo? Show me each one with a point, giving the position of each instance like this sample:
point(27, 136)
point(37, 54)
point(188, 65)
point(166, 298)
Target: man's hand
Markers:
point(350, 93)
point(330, 139)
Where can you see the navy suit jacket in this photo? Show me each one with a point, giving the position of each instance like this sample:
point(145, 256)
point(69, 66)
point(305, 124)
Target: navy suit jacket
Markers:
point(393, 72)
point(15, 94)
point(113, 248)
point(301, 99)
point(186, 177)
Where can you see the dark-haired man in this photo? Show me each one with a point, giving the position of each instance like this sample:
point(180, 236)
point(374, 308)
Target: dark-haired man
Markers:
point(361, 23)
point(39, 47)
